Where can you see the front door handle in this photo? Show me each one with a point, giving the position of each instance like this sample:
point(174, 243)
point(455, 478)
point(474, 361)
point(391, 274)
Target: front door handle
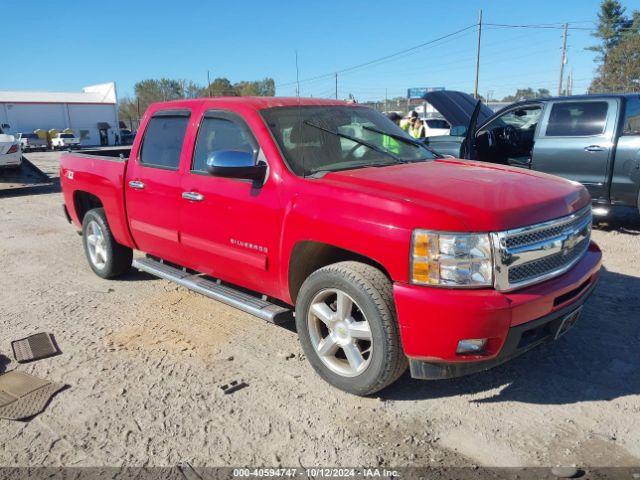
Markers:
point(137, 184)
point(593, 148)
point(193, 196)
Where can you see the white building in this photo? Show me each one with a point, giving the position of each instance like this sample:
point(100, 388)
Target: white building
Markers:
point(92, 114)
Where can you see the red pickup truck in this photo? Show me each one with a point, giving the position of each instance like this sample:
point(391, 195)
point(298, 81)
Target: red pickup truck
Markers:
point(391, 255)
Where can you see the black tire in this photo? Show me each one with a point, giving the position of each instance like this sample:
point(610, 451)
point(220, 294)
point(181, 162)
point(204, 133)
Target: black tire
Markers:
point(371, 290)
point(118, 257)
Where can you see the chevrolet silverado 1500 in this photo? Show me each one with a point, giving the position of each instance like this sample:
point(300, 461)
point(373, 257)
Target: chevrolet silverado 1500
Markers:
point(388, 254)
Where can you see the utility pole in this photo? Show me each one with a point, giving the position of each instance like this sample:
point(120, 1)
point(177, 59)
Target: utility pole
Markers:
point(336, 85)
point(563, 60)
point(385, 100)
point(475, 88)
point(208, 84)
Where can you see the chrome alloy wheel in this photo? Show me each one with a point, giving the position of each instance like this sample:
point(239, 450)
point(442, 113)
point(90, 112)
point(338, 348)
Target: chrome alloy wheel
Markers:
point(340, 333)
point(97, 245)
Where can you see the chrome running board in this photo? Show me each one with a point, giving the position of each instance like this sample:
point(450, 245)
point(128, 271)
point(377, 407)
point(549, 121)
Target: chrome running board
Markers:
point(246, 302)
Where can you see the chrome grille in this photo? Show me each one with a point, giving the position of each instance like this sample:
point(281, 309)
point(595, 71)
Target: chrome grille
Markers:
point(532, 254)
point(536, 268)
point(535, 235)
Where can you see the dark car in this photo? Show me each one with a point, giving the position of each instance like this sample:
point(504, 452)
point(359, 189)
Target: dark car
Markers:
point(591, 139)
point(127, 136)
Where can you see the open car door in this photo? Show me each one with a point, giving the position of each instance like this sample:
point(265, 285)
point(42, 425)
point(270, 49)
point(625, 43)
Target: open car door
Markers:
point(464, 113)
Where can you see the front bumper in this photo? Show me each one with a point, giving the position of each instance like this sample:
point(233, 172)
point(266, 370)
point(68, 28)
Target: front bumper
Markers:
point(433, 320)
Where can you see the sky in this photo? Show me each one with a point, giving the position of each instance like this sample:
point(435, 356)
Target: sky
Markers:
point(82, 43)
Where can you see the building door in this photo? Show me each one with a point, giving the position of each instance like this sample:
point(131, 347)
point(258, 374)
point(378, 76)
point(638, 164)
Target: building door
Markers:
point(104, 137)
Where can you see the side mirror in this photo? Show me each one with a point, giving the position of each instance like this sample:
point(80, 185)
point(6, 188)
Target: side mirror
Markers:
point(235, 164)
point(458, 131)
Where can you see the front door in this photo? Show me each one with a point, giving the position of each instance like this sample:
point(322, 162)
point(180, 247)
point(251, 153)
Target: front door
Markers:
point(152, 186)
point(229, 227)
point(575, 141)
point(104, 137)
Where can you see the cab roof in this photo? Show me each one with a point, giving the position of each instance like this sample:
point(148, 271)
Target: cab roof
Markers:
point(257, 103)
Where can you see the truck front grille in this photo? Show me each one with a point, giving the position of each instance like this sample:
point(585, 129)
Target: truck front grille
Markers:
point(529, 255)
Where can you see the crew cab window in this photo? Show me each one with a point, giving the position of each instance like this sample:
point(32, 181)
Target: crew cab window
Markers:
point(577, 119)
point(632, 117)
point(162, 141)
point(217, 134)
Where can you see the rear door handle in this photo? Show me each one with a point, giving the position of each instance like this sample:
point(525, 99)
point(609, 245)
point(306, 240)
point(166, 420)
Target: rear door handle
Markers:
point(593, 148)
point(193, 196)
point(137, 184)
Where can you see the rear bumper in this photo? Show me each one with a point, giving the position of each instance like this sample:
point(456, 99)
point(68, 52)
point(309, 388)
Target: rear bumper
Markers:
point(432, 321)
point(9, 159)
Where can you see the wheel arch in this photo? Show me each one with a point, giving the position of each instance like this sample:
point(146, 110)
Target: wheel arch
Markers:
point(308, 256)
point(83, 202)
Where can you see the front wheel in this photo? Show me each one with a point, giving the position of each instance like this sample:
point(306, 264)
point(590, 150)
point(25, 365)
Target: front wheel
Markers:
point(107, 258)
point(347, 327)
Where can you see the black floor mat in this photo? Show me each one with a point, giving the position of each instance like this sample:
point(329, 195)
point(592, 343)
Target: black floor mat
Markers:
point(34, 347)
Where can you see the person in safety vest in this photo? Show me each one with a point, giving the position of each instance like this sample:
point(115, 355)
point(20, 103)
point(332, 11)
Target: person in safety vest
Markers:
point(388, 142)
point(405, 123)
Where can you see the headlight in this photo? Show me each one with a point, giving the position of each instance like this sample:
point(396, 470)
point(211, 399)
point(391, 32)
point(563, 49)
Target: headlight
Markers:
point(451, 259)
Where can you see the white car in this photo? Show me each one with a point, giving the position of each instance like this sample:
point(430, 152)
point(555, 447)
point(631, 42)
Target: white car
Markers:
point(31, 141)
point(10, 151)
point(435, 126)
point(65, 140)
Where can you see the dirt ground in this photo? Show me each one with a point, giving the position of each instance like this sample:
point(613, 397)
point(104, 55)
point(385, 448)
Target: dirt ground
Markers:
point(144, 361)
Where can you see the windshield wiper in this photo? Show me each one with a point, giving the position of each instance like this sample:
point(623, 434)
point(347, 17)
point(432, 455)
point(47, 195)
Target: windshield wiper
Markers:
point(410, 141)
point(357, 140)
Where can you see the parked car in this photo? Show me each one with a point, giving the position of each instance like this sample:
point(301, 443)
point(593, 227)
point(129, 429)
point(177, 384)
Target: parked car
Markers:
point(591, 139)
point(10, 151)
point(126, 136)
point(31, 141)
point(435, 126)
point(65, 141)
point(388, 258)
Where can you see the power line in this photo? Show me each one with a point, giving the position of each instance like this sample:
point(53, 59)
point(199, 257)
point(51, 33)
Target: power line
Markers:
point(380, 59)
point(556, 27)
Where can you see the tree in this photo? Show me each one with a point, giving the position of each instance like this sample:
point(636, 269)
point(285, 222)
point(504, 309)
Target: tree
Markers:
point(261, 88)
point(612, 22)
point(221, 87)
point(526, 94)
point(161, 90)
point(621, 70)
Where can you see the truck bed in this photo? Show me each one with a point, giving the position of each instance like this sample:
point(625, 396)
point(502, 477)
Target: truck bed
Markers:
point(97, 174)
point(117, 152)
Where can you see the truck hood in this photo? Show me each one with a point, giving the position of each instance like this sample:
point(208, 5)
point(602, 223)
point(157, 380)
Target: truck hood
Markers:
point(473, 196)
point(457, 107)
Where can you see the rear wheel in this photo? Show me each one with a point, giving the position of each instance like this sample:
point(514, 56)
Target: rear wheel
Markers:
point(107, 258)
point(346, 323)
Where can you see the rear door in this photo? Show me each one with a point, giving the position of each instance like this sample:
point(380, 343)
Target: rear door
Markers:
point(152, 185)
point(229, 227)
point(575, 141)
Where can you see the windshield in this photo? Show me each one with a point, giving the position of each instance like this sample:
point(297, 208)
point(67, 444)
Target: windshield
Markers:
point(66, 135)
point(314, 138)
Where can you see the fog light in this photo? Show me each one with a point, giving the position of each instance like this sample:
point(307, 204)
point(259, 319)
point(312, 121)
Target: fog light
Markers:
point(471, 345)
point(600, 211)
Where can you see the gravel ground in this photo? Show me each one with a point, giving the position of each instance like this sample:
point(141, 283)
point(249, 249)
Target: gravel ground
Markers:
point(144, 360)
